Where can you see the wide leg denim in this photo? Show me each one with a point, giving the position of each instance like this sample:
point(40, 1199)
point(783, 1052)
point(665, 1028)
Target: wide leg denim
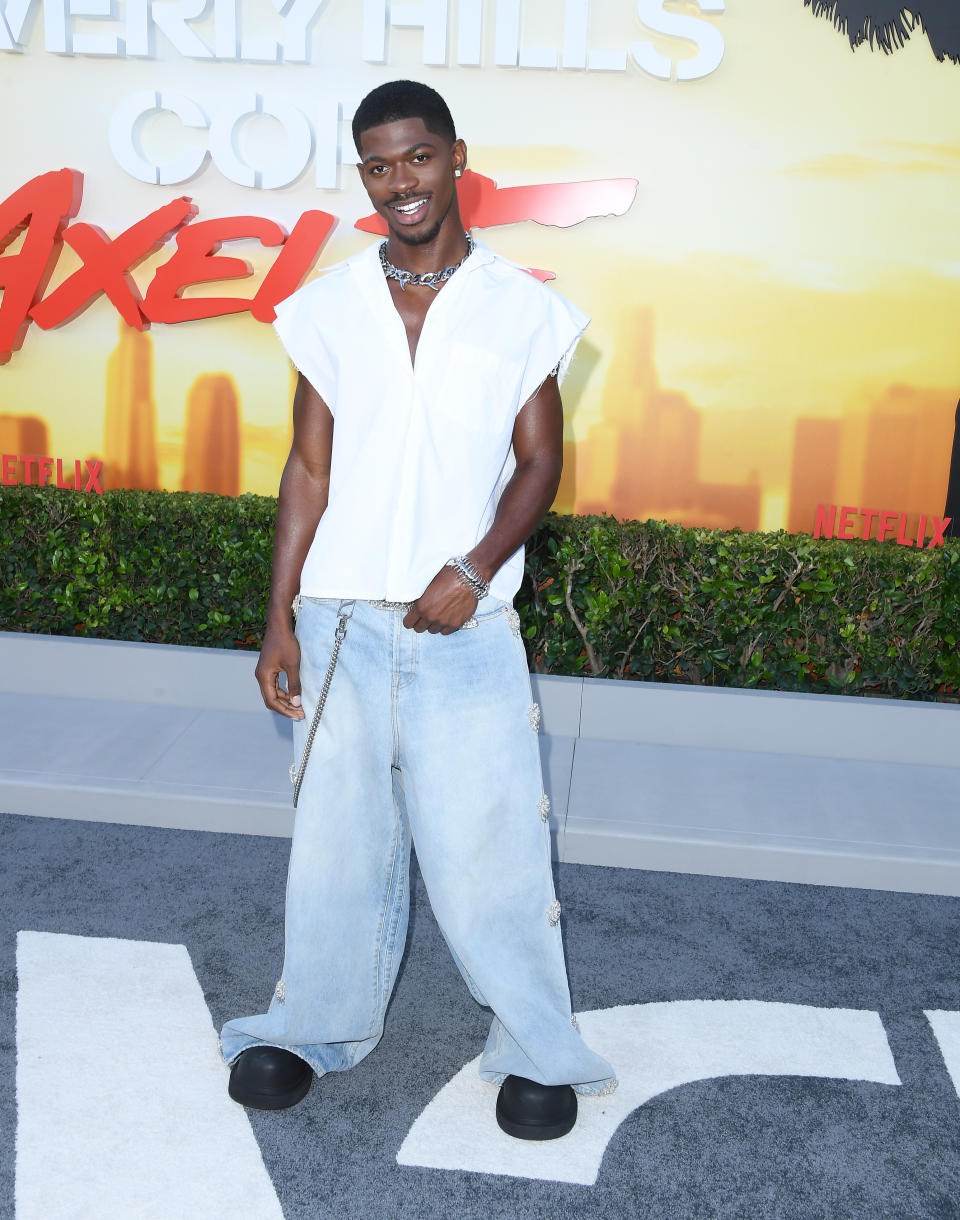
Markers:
point(433, 738)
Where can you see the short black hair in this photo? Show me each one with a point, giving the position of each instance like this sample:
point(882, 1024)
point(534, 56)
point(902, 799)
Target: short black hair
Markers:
point(404, 99)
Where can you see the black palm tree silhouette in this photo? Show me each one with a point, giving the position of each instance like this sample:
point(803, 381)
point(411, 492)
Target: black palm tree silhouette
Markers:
point(952, 507)
point(887, 24)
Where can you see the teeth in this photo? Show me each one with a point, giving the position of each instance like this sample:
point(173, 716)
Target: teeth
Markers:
point(407, 208)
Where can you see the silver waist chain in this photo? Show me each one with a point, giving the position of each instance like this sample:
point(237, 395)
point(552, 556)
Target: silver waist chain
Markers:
point(297, 772)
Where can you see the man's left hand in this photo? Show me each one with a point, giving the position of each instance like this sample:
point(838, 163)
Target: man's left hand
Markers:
point(443, 607)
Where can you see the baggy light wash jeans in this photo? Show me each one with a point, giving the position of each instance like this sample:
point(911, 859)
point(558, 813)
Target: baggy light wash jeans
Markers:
point(432, 737)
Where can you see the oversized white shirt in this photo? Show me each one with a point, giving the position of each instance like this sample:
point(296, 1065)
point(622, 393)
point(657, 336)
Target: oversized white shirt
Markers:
point(421, 450)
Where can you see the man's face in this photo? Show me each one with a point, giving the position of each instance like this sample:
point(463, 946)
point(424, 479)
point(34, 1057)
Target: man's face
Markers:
point(410, 175)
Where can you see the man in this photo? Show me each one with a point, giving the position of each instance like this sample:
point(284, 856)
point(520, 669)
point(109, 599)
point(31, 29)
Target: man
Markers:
point(427, 446)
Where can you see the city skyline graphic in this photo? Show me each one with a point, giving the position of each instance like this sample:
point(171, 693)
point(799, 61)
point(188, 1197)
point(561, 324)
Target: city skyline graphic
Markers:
point(643, 457)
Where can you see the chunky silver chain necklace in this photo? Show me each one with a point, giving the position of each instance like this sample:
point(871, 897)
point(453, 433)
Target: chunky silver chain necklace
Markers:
point(428, 279)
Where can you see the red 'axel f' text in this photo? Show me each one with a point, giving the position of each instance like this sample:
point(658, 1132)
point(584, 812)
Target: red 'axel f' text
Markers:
point(42, 210)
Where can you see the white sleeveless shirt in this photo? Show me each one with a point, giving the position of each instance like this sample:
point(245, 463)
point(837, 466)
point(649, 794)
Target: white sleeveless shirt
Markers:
point(421, 451)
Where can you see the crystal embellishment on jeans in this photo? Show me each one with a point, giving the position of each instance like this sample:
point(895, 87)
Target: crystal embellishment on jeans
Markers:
point(543, 805)
point(293, 773)
point(553, 914)
point(533, 715)
point(575, 1023)
point(607, 1089)
point(280, 991)
point(514, 620)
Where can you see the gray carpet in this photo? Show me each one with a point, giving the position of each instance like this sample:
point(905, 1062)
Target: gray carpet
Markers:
point(753, 1147)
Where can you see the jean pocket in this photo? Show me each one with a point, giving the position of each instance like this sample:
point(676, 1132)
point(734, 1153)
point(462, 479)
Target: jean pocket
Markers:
point(489, 607)
point(302, 600)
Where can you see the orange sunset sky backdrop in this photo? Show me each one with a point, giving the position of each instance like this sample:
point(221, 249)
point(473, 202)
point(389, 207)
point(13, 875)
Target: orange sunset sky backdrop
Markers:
point(792, 254)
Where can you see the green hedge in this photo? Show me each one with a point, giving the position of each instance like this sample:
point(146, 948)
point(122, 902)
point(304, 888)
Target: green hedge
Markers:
point(642, 600)
point(169, 567)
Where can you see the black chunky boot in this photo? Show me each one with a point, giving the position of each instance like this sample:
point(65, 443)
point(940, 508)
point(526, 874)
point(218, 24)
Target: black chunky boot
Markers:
point(531, 1111)
point(268, 1078)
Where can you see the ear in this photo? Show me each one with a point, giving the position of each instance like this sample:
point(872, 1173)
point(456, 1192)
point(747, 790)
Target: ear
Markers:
point(458, 157)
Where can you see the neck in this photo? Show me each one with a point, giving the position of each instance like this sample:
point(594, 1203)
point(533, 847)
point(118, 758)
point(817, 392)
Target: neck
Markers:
point(448, 246)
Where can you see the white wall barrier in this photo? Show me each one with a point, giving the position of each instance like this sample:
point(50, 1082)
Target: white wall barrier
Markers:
point(826, 789)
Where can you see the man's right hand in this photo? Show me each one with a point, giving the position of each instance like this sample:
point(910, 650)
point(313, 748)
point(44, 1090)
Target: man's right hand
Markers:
point(280, 654)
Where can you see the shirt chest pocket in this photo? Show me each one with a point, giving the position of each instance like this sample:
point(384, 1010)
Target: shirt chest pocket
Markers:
point(478, 390)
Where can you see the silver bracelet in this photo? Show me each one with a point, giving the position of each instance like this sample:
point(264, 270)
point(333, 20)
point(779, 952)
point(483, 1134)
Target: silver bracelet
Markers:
point(469, 576)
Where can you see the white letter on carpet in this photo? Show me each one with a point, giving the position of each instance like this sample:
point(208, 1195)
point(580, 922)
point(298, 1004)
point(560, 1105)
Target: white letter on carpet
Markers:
point(654, 1048)
point(121, 1092)
point(946, 1030)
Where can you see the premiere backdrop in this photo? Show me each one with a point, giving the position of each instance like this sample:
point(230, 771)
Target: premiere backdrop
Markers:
point(765, 233)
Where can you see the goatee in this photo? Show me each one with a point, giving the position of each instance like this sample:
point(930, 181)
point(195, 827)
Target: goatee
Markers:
point(419, 239)
point(416, 239)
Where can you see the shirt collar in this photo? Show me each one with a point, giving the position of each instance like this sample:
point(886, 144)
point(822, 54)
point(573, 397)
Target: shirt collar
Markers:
point(372, 282)
point(481, 254)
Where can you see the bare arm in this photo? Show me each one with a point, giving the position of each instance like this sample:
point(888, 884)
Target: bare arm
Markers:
point(445, 605)
point(304, 486)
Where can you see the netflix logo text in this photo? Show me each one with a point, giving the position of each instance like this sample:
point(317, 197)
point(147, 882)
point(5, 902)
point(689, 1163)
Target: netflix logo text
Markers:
point(86, 475)
point(890, 526)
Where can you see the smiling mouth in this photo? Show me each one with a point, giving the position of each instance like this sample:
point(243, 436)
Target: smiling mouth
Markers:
point(410, 209)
